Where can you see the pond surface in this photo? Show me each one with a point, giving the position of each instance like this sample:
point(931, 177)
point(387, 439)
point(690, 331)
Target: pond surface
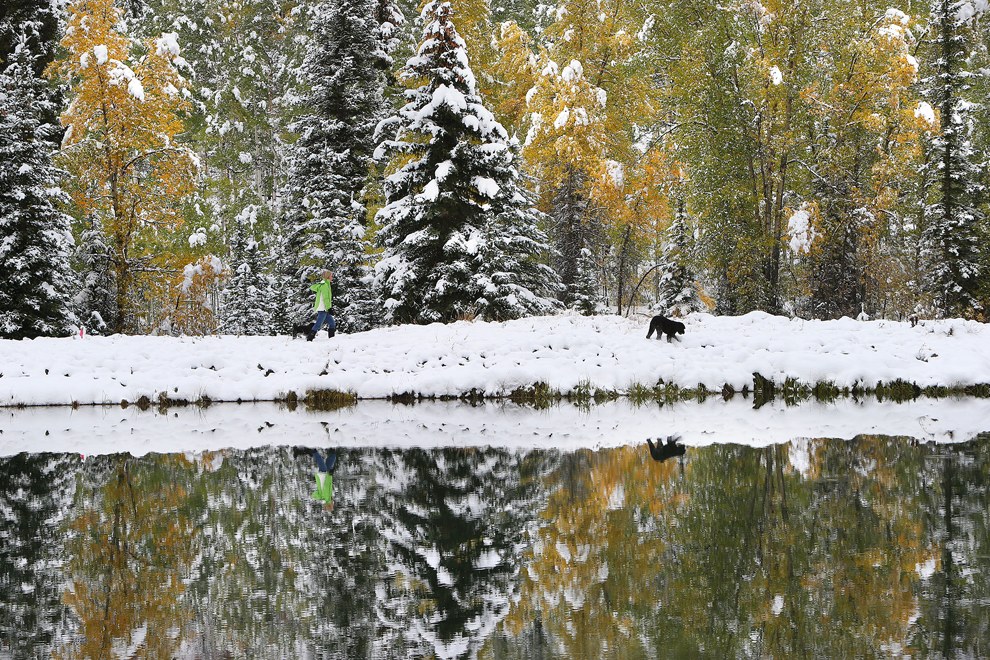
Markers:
point(466, 542)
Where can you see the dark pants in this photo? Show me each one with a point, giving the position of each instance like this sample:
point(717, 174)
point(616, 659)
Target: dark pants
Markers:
point(328, 465)
point(322, 318)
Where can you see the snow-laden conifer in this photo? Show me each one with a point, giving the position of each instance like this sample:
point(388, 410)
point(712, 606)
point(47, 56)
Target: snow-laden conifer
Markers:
point(577, 234)
point(951, 239)
point(327, 215)
point(36, 281)
point(677, 293)
point(248, 301)
point(459, 237)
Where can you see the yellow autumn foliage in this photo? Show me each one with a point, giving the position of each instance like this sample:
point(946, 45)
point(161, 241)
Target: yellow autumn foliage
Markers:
point(120, 146)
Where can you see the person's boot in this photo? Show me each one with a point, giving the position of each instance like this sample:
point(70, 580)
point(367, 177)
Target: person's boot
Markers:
point(331, 333)
point(310, 336)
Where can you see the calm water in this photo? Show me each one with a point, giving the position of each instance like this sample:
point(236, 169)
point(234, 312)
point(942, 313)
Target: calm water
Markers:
point(876, 546)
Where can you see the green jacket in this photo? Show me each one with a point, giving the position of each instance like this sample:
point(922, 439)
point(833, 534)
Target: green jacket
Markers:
point(322, 288)
point(324, 487)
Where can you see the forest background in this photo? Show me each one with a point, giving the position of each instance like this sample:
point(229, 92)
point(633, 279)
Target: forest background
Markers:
point(188, 166)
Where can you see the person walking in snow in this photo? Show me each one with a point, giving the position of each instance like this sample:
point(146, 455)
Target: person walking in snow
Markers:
point(322, 306)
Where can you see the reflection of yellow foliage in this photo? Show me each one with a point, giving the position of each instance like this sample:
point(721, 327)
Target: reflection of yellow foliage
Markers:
point(130, 548)
point(591, 556)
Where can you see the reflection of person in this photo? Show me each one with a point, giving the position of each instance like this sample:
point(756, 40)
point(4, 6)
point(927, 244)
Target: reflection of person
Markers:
point(669, 449)
point(324, 476)
point(324, 472)
point(322, 306)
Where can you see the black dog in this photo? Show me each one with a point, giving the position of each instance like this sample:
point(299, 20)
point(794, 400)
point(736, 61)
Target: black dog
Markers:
point(661, 452)
point(301, 329)
point(664, 326)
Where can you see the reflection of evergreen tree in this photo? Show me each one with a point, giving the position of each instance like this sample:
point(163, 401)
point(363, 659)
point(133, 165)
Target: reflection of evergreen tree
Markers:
point(34, 495)
point(955, 621)
point(245, 580)
point(344, 559)
point(453, 520)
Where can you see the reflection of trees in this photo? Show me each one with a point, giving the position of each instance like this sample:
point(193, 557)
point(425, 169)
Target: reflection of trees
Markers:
point(745, 554)
point(453, 520)
point(344, 559)
point(597, 551)
point(34, 494)
point(819, 548)
point(131, 538)
point(249, 546)
point(954, 619)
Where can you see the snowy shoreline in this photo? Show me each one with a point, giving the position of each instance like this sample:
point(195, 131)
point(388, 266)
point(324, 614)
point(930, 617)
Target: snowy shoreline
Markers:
point(99, 430)
point(567, 354)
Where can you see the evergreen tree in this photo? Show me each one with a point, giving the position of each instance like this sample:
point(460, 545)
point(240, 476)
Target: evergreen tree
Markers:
point(327, 219)
point(98, 294)
point(247, 308)
point(951, 235)
point(512, 280)
point(585, 294)
point(577, 234)
point(459, 238)
point(31, 26)
point(36, 282)
point(677, 293)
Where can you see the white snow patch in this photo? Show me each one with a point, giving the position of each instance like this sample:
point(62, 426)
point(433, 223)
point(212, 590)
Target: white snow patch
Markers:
point(135, 89)
point(801, 231)
point(925, 112)
point(430, 192)
point(168, 44)
point(486, 186)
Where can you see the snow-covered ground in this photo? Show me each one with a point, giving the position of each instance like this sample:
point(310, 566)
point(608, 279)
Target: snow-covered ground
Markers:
point(105, 430)
point(565, 352)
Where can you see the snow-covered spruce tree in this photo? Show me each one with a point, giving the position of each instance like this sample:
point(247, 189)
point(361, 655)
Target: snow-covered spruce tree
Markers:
point(950, 238)
point(390, 21)
point(327, 218)
point(677, 294)
point(512, 281)
point(576, 236)
point(459, 237)
point(36, 281)
point(247, 296)
point(96, 301)
point(584, 294)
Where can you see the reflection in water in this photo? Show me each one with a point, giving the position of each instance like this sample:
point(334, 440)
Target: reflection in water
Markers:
point(814, 548)
point(661, 452)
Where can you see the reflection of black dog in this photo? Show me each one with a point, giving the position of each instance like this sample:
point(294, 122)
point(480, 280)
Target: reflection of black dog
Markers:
point(670, 448)
point(301, 329)
point(664, 326)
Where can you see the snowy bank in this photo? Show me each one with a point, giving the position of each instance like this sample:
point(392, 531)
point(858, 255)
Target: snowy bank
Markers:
point(564, 352)
point(105, 430)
